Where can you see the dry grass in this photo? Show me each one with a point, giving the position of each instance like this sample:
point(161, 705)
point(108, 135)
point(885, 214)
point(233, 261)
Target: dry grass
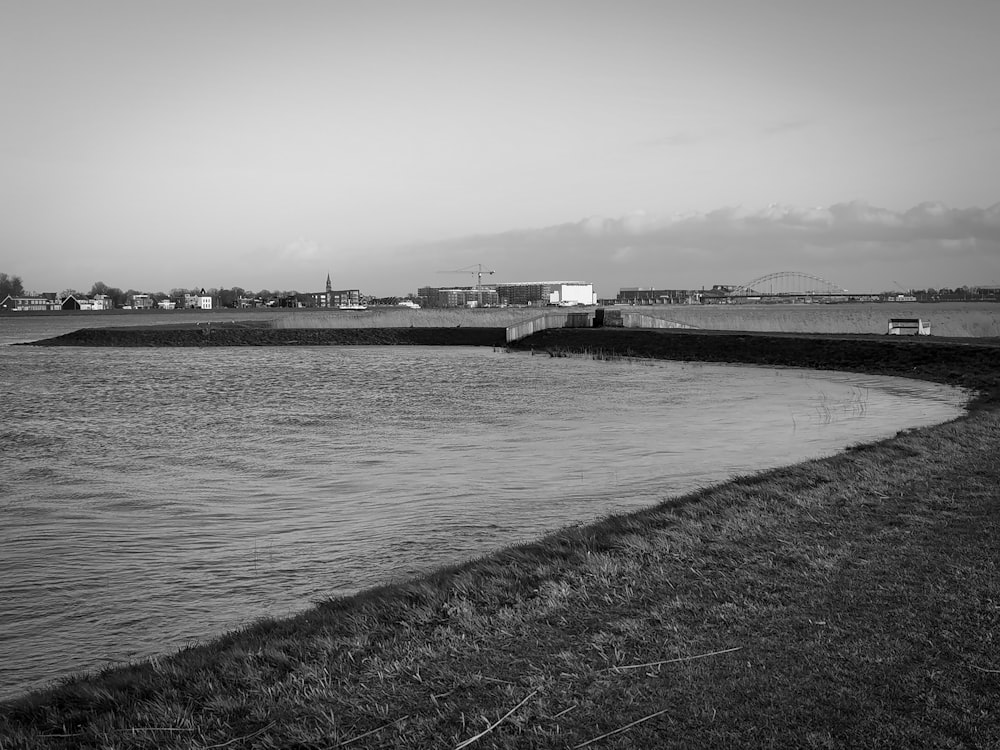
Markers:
point(964, 319)
point(401, 317)
point(947, 319)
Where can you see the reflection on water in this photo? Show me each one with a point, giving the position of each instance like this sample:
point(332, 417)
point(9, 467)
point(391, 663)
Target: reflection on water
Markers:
point(156, 497)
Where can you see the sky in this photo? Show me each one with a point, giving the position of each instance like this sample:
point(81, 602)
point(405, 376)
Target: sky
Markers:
point(661, 143)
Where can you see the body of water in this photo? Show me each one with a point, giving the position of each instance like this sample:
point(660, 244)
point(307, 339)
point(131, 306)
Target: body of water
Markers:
point(153, 498)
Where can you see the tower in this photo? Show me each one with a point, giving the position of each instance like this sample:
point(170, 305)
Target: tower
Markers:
point(328, 287)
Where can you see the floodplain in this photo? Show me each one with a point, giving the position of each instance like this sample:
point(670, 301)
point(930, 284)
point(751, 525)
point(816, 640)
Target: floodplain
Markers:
point(848, 601)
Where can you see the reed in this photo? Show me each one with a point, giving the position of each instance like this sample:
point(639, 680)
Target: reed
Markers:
point(961, 319)
point(383, 317)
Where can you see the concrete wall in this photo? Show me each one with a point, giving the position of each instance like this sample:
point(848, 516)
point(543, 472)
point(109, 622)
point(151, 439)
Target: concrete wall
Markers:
point(629, 319)
point(550, 320)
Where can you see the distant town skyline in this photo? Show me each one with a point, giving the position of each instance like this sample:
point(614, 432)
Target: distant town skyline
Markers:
point(654, 143)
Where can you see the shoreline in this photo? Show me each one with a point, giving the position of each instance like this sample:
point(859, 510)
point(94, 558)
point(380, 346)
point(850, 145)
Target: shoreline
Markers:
point(242, 334)
point(808, 605)
point(966, 363)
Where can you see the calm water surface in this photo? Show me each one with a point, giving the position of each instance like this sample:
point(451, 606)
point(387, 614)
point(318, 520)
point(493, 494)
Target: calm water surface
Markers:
point(153, 498)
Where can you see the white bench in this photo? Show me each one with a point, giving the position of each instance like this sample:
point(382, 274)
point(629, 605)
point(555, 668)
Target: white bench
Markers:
point(909, 327)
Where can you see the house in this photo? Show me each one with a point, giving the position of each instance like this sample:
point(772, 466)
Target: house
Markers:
point(102, 302)
point(142, 302)
point(78, 302)
point(24, 304)
point(200, 301)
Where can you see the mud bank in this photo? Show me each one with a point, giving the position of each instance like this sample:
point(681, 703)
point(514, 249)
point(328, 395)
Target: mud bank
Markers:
point(238, 335)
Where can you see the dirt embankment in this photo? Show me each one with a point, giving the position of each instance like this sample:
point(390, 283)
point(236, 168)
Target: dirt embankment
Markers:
point(224, 335)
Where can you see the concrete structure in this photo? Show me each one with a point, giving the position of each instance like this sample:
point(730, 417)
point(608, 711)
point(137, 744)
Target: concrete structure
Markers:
point(597, 319)
point(549, 320)
point(909, 327)
point(616, 318)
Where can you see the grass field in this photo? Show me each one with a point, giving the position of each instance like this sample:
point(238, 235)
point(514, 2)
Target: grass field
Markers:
point(947, 319)
point(852, 601)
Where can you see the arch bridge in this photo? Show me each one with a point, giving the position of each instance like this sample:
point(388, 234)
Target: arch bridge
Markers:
point(787, 284)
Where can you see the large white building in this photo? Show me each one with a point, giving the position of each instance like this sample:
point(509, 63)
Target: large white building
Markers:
point(547, 293)
point(573, 293)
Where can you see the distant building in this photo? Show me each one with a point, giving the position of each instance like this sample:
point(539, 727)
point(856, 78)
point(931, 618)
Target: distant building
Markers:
point(142, 302)
point(23, 304)
point(546, 293)
point(333, 298)
point(635, 295)
point(81, 302)
point(458, 296)
point(573, 293)
point(200, 301)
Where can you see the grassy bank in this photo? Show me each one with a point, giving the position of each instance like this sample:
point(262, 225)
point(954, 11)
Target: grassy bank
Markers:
point(965, 319)
point(972, 319)
point(848, 601)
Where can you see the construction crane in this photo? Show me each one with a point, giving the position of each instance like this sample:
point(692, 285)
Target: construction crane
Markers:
point(477, 270)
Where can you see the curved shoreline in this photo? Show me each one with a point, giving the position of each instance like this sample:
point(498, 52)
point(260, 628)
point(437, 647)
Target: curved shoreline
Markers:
point(808, 605)
point(962, 362)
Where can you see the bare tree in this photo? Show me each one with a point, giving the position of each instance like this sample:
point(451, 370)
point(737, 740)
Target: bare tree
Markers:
point(10, 285)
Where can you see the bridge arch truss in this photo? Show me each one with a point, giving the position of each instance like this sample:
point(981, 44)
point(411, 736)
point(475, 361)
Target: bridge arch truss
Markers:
point(788, 284)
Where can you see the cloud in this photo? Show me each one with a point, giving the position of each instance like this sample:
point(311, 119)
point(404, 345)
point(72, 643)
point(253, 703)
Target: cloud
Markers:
point(301, 251)
point(680, 138)
point(855, 244)
point(786, 126)
point(838, 223)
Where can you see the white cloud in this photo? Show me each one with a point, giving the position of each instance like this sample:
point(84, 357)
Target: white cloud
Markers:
point(301, 251)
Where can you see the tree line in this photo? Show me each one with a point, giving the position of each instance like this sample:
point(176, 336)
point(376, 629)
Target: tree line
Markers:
point(14, 286)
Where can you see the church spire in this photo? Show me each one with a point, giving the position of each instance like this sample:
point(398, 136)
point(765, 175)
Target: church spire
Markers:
point(329, 288)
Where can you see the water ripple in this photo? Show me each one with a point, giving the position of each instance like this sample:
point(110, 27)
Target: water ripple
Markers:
point(157, 496)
